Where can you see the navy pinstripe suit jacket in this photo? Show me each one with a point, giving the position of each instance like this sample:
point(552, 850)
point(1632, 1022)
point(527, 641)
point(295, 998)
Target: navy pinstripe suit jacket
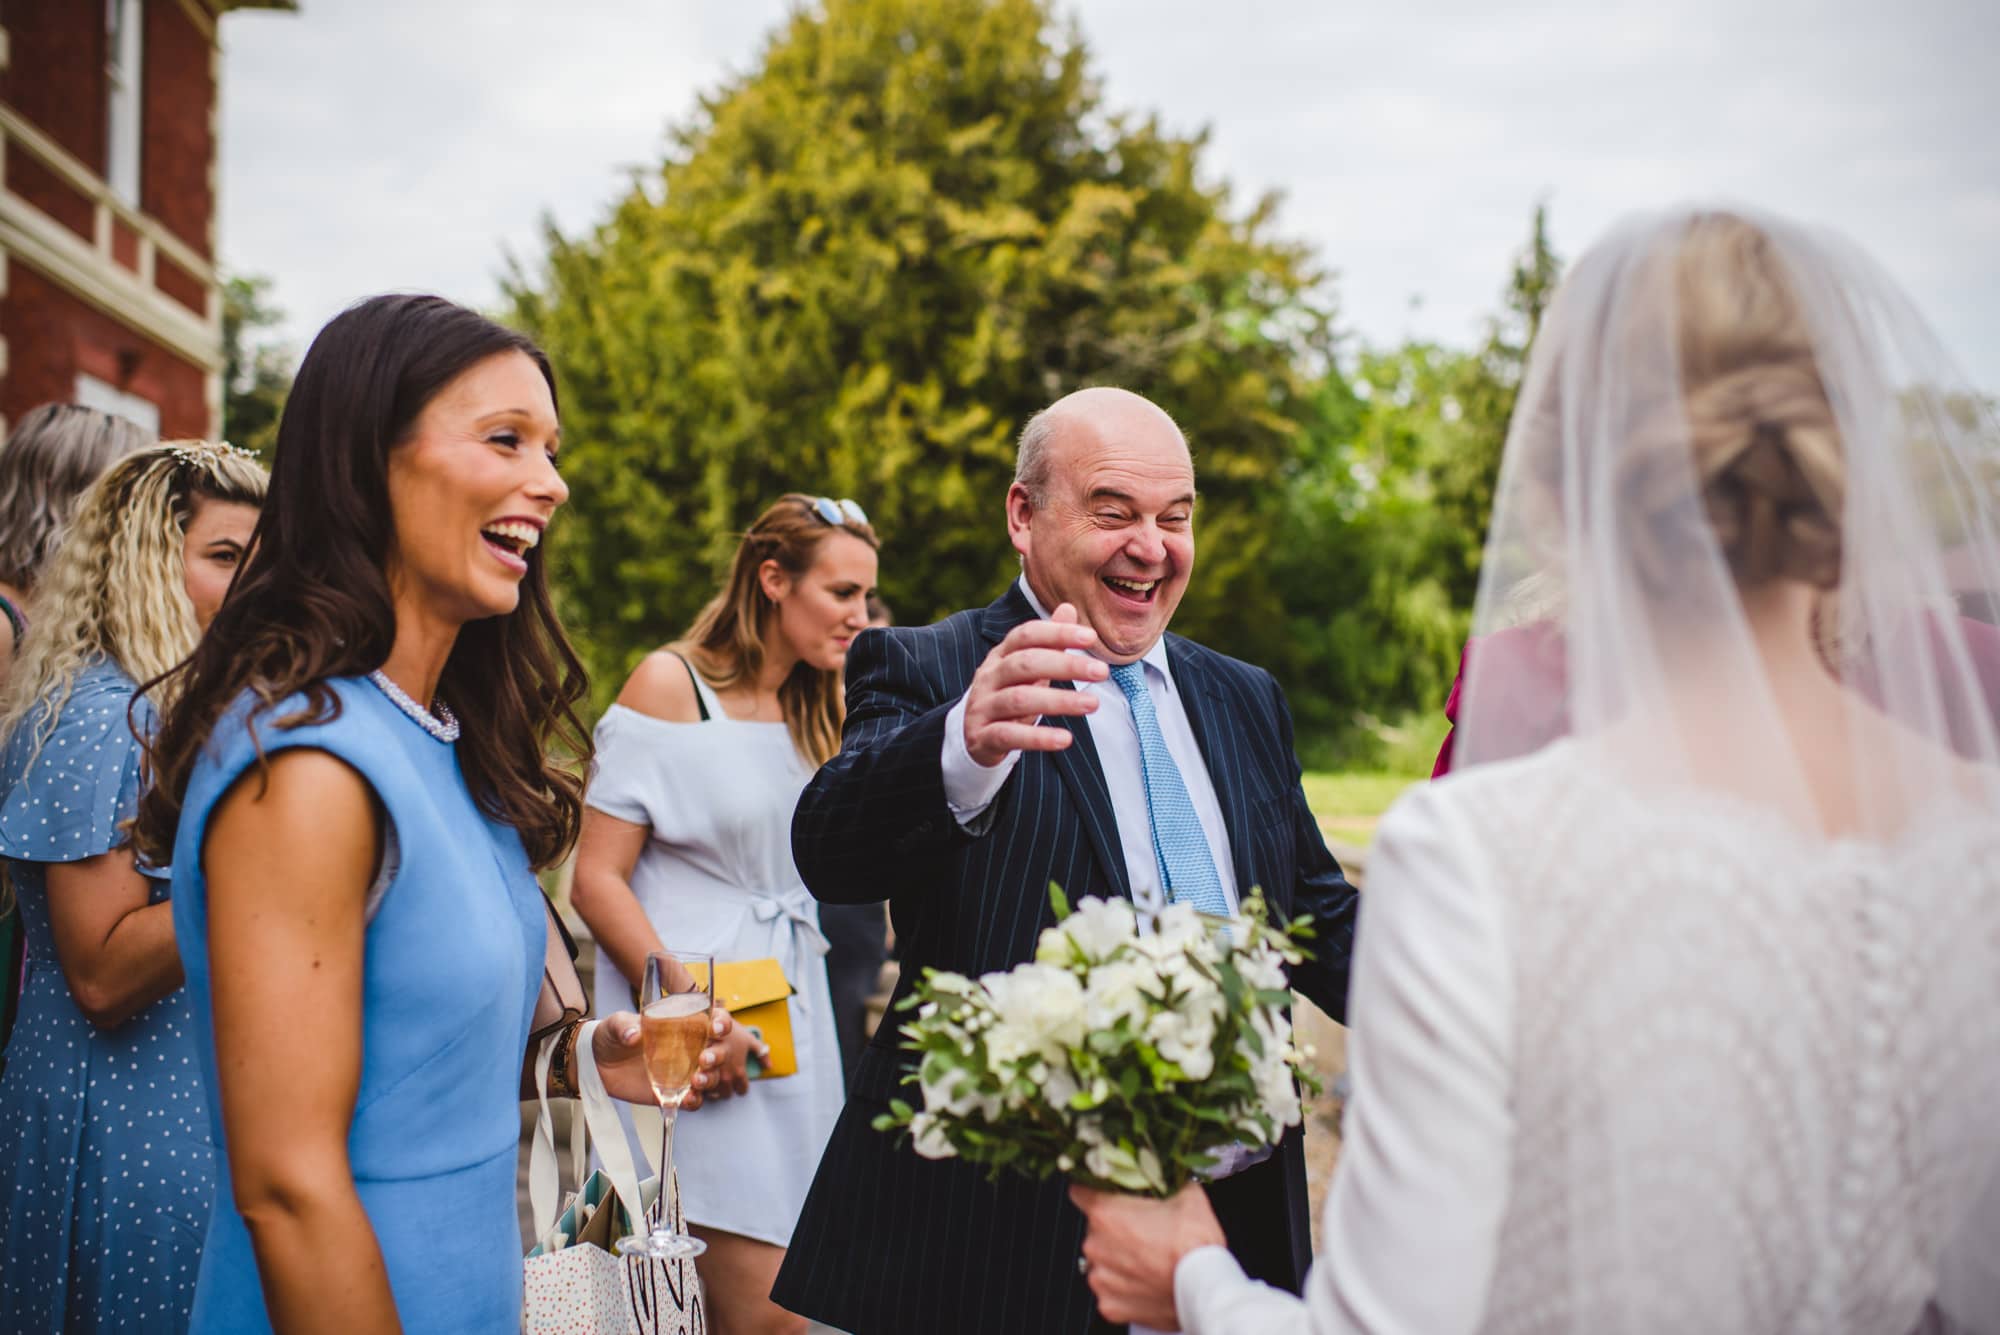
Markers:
point(890, 1243)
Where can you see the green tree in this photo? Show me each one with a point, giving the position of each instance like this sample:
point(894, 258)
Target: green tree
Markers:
point(257, 364)
point(1386, 513)
point(1480, 395)
point(1367, 552)
point(860, 267)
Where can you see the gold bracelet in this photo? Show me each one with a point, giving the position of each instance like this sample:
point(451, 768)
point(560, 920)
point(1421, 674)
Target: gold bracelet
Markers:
point(562, 1080)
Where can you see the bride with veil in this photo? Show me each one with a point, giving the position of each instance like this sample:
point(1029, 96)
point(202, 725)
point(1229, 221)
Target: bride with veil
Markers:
point(1689, 1020)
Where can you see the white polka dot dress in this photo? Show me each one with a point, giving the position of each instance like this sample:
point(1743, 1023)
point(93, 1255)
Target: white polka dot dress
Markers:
point(106, 1174)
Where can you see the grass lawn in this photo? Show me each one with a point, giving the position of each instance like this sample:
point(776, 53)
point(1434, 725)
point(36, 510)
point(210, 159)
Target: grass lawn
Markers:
point(1349, 803)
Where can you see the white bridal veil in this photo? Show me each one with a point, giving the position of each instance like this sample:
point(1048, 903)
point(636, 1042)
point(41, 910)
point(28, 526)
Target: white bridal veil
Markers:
point(1746, 554)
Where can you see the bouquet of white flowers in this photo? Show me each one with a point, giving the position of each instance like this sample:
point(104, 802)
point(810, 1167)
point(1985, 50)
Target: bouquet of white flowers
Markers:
point(1125, 1056)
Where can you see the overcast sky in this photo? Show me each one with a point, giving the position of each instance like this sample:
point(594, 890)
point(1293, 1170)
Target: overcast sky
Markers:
point(370, 145)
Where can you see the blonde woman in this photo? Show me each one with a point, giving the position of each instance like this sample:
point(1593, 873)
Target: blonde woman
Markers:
point(686, 845)
point(106, 1175)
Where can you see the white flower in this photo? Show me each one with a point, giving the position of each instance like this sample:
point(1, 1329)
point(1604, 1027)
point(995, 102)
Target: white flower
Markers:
point(929, 1139)
point(1254, 1036)
point(955, 1093)
point(1185, 1034)
point(1277, 1091)
point(1271, 1070)
point(1060, 1087)
point(1262, 968)
point(1185, 1038)
point(1038, 1011)
point(1117, 991)
point(1098, 930)
point(1178, 926)
point(1180, 937)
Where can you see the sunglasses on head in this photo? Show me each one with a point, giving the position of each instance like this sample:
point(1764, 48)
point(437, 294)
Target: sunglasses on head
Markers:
point(838, 513)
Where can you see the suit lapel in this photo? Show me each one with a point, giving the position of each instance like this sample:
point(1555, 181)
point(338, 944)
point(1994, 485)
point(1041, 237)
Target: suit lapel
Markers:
point(1081, 770)
point(1004, 613)
point(1207, 719)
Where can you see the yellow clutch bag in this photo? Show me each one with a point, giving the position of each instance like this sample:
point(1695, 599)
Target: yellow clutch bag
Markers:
point(755, 993)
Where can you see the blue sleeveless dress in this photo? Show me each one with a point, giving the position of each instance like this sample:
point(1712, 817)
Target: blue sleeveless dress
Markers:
point(453, 966)
point(106, 1175)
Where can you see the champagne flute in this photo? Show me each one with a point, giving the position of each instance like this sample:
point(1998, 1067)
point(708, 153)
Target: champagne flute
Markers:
point(674, 1007)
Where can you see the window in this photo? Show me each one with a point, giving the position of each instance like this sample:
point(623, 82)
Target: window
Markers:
point(124, 31)
point(100, 394)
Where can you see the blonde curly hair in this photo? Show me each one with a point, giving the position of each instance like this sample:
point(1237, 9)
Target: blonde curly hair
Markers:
point(115, 587)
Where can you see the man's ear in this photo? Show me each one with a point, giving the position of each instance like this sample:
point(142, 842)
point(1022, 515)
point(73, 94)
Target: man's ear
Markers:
point(1020, 509)
point(773, 580)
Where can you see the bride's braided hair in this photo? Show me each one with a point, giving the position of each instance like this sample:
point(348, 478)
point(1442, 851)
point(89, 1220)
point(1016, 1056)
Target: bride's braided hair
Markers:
point(1767, 452)
point(1726, 434)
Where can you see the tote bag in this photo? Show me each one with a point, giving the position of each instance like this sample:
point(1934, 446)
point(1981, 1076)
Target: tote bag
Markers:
point(573, 1282)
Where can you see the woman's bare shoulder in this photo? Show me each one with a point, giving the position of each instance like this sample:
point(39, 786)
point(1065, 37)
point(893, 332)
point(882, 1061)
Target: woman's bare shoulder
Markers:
point(661, 688)
point(305, 797)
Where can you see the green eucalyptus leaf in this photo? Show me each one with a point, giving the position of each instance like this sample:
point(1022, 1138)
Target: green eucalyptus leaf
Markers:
point(1058, 901)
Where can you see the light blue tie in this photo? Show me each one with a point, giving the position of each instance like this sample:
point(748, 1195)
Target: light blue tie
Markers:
point(1186, 864)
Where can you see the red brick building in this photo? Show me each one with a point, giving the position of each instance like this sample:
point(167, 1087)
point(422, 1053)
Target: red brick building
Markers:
point(108, 287)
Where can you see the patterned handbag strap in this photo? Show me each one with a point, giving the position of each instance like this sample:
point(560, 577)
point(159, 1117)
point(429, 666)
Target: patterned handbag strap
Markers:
point(600, 1112)
point(545, 1195)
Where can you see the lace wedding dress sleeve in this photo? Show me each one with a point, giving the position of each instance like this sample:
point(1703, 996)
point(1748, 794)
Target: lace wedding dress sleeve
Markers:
point(1413, 1222)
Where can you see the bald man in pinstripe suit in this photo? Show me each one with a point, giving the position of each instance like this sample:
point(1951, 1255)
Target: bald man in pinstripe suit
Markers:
point(1062, 735)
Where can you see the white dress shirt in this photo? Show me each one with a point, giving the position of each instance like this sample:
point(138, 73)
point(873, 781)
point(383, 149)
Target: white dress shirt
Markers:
point(969, 787)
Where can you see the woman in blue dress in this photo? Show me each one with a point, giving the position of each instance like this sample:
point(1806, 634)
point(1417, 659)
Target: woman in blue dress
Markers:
point(106, 1173)
point(354, 788)
point(51, 456)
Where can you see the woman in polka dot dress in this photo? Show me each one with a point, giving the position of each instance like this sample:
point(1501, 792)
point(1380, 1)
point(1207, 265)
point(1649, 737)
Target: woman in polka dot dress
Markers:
point(106, 1173)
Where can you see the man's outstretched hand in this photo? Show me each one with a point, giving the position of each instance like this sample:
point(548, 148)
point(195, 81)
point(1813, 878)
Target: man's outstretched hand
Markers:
point(1012, 690)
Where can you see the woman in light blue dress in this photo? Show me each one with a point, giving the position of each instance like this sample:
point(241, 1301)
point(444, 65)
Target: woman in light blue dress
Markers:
point(354, 788)
point(106, 1173)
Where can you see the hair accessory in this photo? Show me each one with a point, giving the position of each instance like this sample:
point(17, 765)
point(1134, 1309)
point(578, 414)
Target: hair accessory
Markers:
point(838, 513)
point(205, 452)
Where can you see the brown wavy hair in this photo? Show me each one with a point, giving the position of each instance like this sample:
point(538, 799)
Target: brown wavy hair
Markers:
point(312, 601)
point(726, 641)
